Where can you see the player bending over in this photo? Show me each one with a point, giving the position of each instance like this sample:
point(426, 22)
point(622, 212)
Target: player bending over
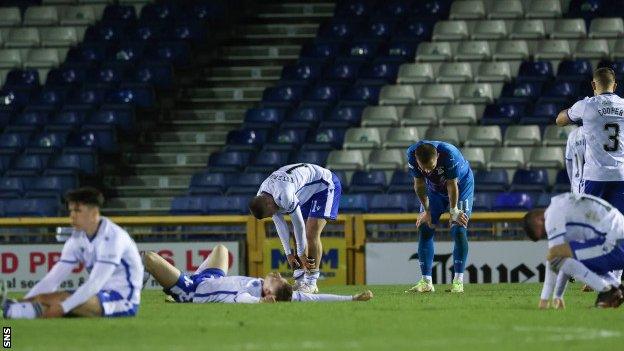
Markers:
point(110, 256)
point(585, 241)
point(443, 182)
point(305, 192)
point(210, 283)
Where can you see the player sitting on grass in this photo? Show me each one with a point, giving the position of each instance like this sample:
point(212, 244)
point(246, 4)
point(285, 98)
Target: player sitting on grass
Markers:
point(443, 181)
point(305, 192)
point(585, 241)
point(110, 256)
point(209, 283)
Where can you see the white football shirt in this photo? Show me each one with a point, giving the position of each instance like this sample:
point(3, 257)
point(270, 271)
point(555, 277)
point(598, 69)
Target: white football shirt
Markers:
point(575, 155)
point(603, 125)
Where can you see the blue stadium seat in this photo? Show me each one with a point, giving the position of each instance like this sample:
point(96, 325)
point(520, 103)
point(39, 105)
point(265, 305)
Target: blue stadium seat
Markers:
point(360, 52)
point(67, 75)
point(155, 12)
point(269, 161)
point(513, 201)
point(208, 183)
point(160, 75)
point(15, 98)
point(494, 180)
point(146, 32)
point(5, 160)
point(191, 31)
point(12, 186)
point(232, 205)
point(176, 53)
point(22, 78)
point(283, 94)
point(304, 117)
point(13, 141)
point(530, 180)
point(321, 50)
point(562, 182)
point(50, 185)
point(246, 139)
point(105, 32)
point(589, 9)
point(129, 52)
point(45, 207)
point(89, 52)
point(438, 9)
point(380, 71)
point(326, 139)
point(520, 92)
point(535, 71)
point(399, 51)
point(483, 201)
point(353, 203)
point(300, 72)
point(325, 93)
point(189, 205)
point(578, 70)
point(288, 139)
point(503, 113)
point(368, 182)
point(560, 91)
point(91, 95)
point(342, 72)
point(364, 94)
point(5, 118)
point(343, 117)
point(543, 200)
point(339, 29)
point(119, 13)
point(414, 30)
point(378, 29)
point(229, 161)
point(68, 119)
point(394, 8)
point(311, 156)
point(138, 95)
point(543, 113)
point(81, 162)
point(121, 118)
point(246, 183)
point(401, 181)
point(49, 142)
point(32, 119)
point(52, 97)
point(389, 203)
point(353, 9)
point(28, 164)
point(101, 138)
point(108, 74)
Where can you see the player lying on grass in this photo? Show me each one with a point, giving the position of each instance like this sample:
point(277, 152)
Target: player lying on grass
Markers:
point(585, 241)
point(443, 181)
point(209, 283)
point(307, 193)
point(110, 256)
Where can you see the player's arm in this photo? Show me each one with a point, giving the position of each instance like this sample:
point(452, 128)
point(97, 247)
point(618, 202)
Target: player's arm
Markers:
point(548, 287)
point(300, 237)
point(452, 188)
point(420, 188)
point(283, 232)
point(59, 271)
point(573, 115)
point(560, 287)
point(245, 297)
point(101, 272)
point(298, 296)
point(563, 119)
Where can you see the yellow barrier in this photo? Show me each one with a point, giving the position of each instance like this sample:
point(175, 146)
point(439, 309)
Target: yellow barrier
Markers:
point(256, 238)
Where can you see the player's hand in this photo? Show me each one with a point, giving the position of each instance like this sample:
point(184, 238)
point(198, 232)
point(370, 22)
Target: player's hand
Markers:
point(424, 218)
point(293, 261)
point(544, 304)
point(462, 220)
point(308, 263)
point(558, 303)
point(363, 296)
point(53, 311)
point(268, 299)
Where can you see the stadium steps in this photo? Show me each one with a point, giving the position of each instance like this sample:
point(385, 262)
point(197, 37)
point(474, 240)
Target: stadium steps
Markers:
point(231, 79)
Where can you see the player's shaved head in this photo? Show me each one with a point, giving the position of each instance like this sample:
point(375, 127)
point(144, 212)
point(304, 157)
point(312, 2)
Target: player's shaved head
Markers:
point(534, 224)
point(262, 206)
point(426, 157)
point(604, 79)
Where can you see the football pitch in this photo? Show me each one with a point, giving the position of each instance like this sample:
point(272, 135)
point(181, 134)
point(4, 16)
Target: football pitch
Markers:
point(485, 317)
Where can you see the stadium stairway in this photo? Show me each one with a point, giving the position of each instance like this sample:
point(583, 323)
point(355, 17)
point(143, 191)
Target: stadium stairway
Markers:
point(210, 101)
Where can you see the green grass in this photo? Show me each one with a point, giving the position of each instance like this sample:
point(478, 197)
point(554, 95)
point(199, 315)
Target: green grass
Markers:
point(485, 317)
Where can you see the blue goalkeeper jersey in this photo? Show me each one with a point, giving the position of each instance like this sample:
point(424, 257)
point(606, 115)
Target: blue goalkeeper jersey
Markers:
point(451, 164)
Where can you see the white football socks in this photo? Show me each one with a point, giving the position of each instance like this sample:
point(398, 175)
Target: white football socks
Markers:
point(427, 278)
point(578, 270)
point(23, 310)
point(312, 276)
point(459, 277)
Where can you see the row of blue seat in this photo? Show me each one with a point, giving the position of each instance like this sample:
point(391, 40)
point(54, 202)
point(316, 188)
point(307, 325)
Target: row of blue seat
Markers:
point(430, 9)
point(33, 187)
point(204, 10)
point(35, 207)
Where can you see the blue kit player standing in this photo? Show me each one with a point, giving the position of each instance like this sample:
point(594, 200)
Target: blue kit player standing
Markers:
point(443, 181)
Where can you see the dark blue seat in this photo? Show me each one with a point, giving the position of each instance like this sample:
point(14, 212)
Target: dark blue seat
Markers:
point(311, 156)
point(530, 180)
point(365, 94)
point(503, 113)
point(52, 97)
point(513, 201)
point(338, 29)
point(49, 142)
point(119, 13)
point(368, 182)
point(283, 94)
point(560, 91)
point(398, 51)
point(321, 50)
point(28, 164)
point(229, 161)
point(13, 141)
point(543, 200)
point(353, 9)
point(381, 71)
point(138, 95)
point(589, 9)
point(155, 12)
point(146, 32)
point(401, 181)
point(394, 8)
point(343, 117)
point(301, 72)
point(326, 139)
point(578, 70)
point(268, 161)
point(246, 139)
point(544, 112)
point(105, 32)
point(101, 138)
point(91, 95)
point(342, 72)
point(160, 75)
point(89, 52)
point(50, 185)
point(129, 52)
point(190, 205)
point(5, 160)
point(344, 181)
point(288, 139)
point(264, 117)
point(71, 74)
point(378, 29)
point(22, 78)
point(305, 117)
point(360, 52)
point(176, 53)
point(108, 74)
point(520, 92)
point(535, 71)
point(68, 119)
point(12, 186)
point(44, 207)
point(562, 182)
point(15, 98)
point(32, 119)
point(190, 31)
point(325, 93)
point(81, 162)
point(483, 201)
point(121, 118)
point(389, 203)
point(414, 30)
point(5, 118)
point(353, 203)
point(205, 183)
point(232, 205)
point(494, 180)
point(246, 183)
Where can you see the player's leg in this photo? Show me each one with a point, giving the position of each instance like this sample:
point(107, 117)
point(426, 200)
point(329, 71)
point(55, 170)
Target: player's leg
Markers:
point(218, 259)
point(30, 308)
point(459, 234)
point(164, 272)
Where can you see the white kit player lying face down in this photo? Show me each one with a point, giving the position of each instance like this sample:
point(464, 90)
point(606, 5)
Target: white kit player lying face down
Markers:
point(110, 256)
point(585, 241)
point(305, 192)
point(210, 283)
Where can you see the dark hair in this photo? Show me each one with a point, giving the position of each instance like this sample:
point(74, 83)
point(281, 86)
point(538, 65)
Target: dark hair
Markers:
point(256, 206)
point(605, 76)
point(86, 196)
point(284, 292)
point(426, 152)
point(529, 223)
